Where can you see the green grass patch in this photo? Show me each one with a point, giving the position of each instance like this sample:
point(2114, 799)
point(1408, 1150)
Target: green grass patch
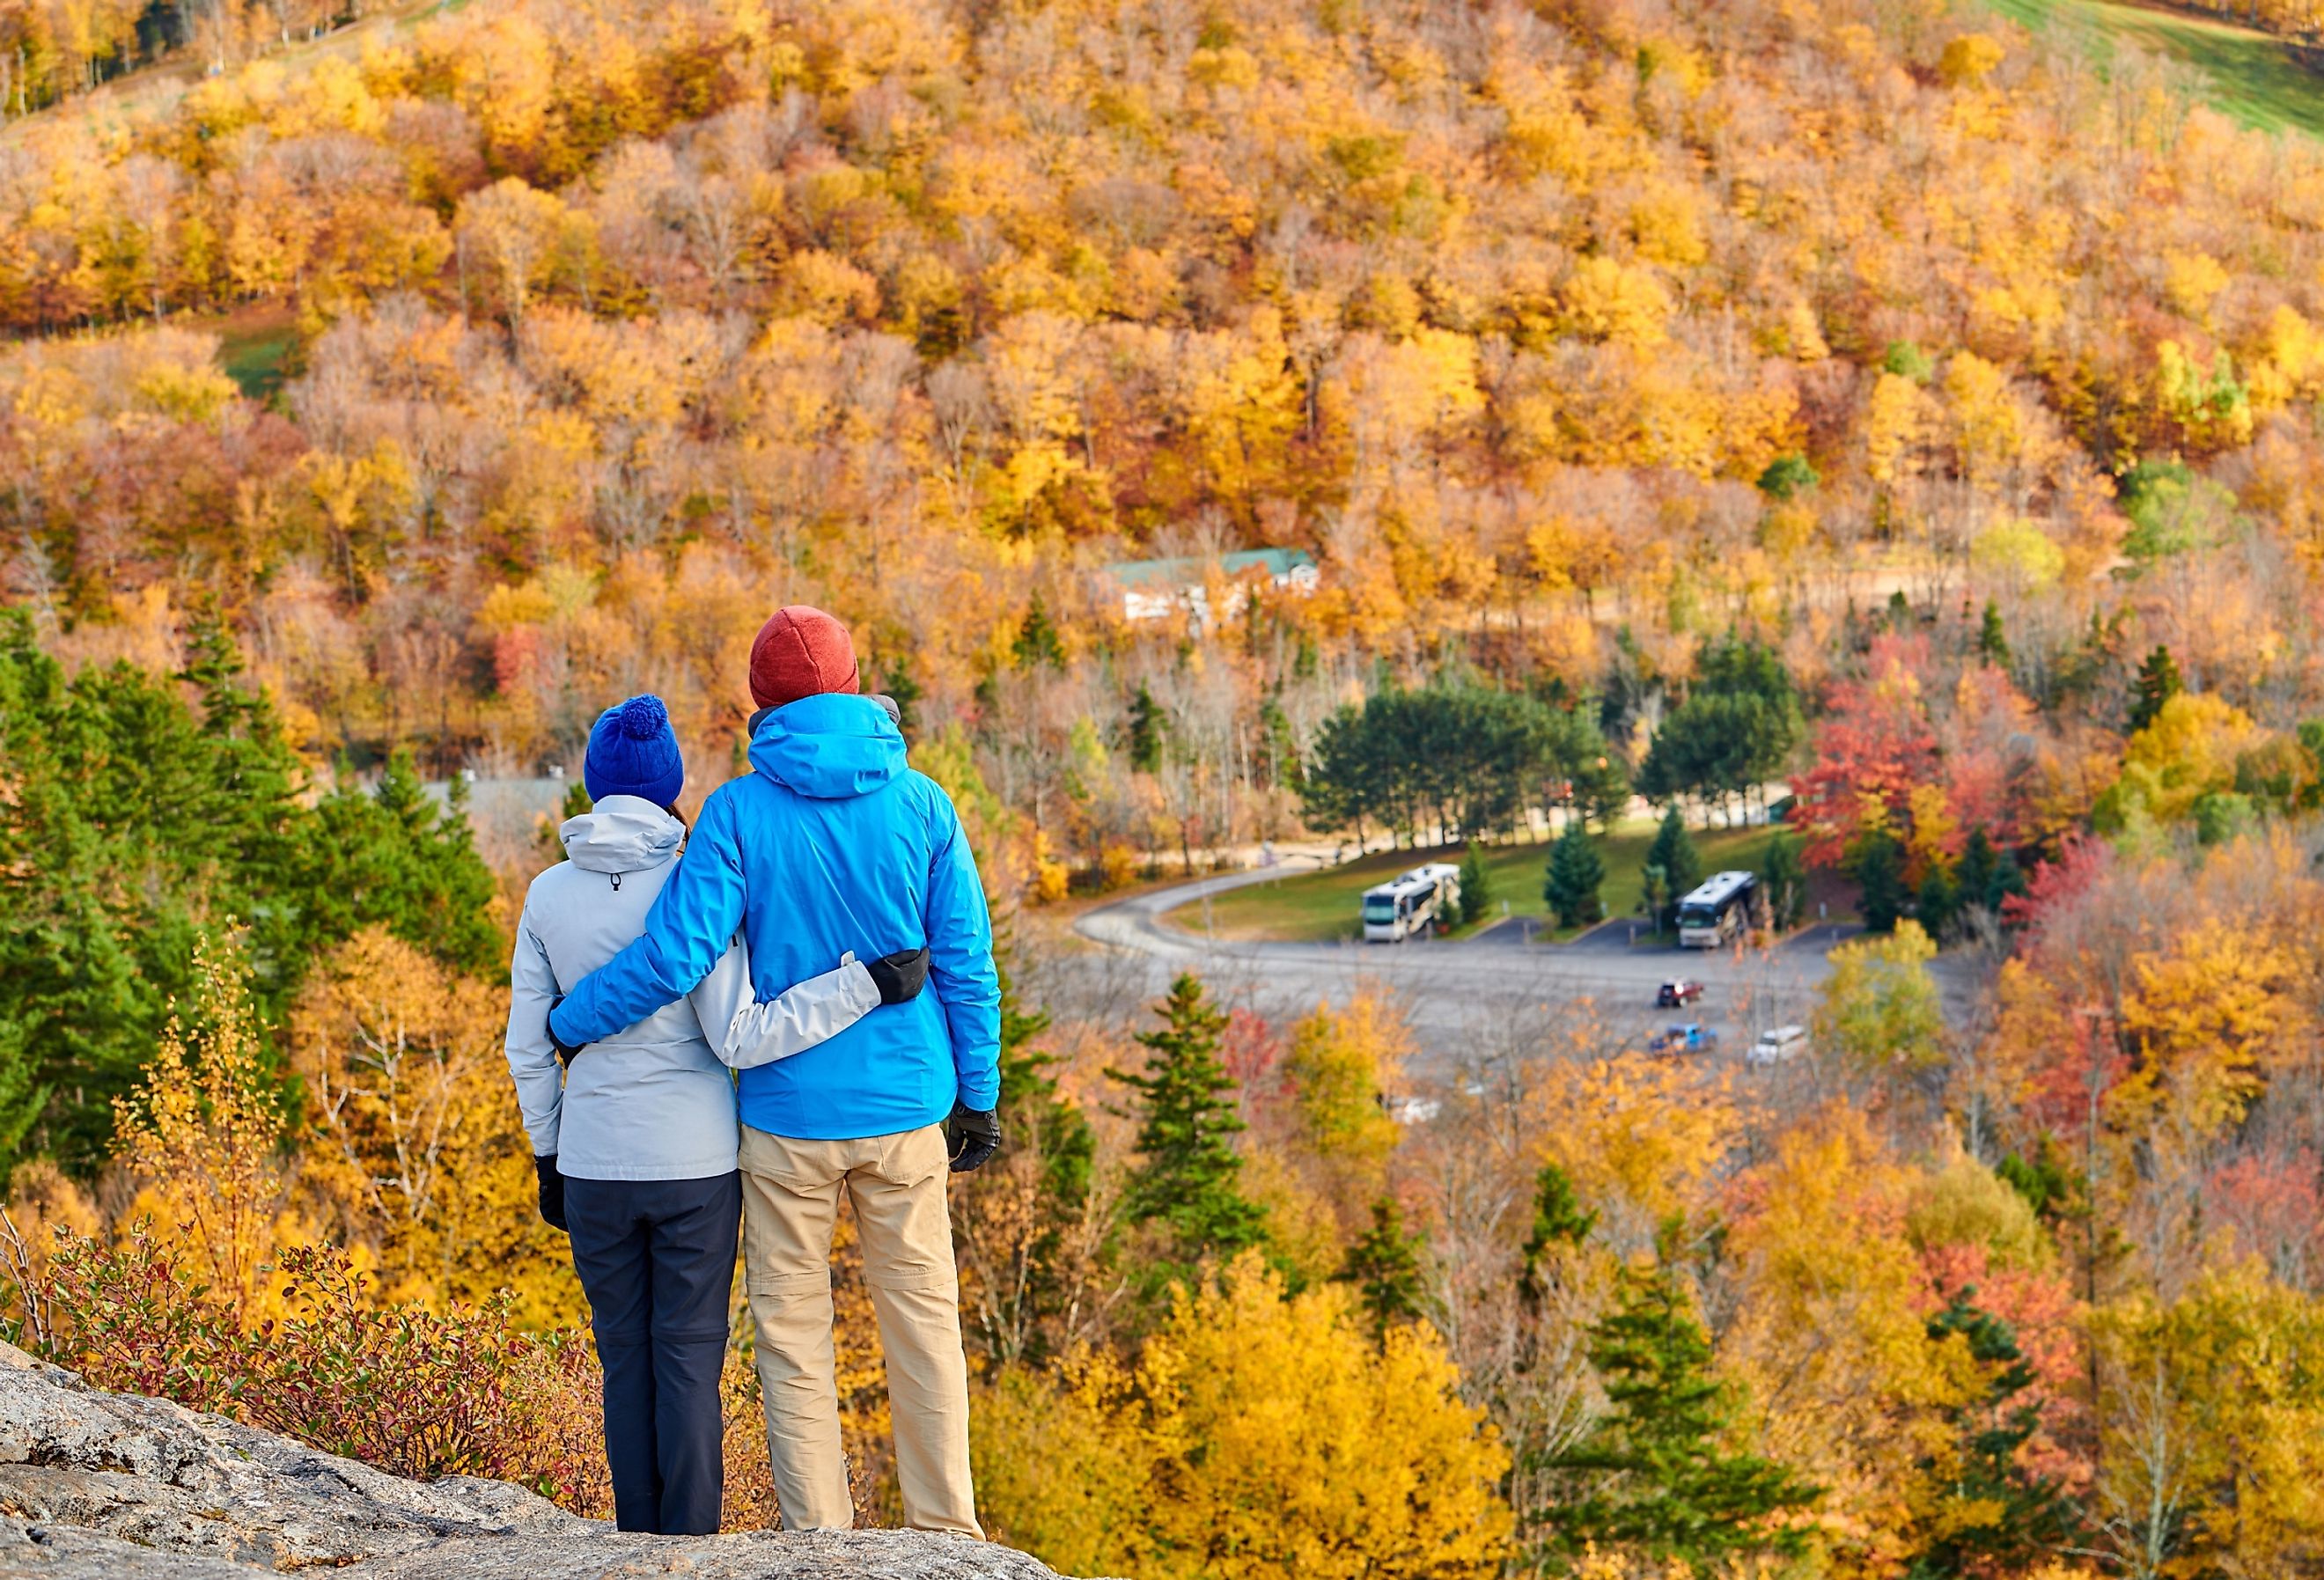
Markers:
point(2249, 76)
point(255, 358)
point(1322, 906)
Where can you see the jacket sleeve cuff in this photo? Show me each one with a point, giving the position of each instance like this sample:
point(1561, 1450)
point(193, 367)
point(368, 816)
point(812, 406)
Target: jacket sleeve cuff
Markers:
point(982, 1090)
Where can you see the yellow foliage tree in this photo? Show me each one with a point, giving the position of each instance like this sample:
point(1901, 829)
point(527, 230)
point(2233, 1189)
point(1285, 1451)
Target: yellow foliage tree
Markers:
point(1969, 59)
point(416, 1144)
point(2188, 753)
point(201, 1138)
point(2213, 1427)
point(1832, 1337)
point(1639, 1139)
point(1896, 425)
point(1988, 431)
point(1880, 1009)
point(1339, 1064)
point(512, 231)
point(1257, 1437)
point(1606, 299)
point(2212, 1018)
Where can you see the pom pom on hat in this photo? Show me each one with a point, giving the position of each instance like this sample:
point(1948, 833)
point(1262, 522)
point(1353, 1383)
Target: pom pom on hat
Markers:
point(644, 718)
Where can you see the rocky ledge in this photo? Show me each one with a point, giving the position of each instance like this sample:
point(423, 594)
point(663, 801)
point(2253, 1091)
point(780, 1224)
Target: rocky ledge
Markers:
point(111, 1486)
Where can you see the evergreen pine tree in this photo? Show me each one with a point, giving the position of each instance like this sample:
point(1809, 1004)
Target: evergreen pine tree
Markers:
point(393, 855)
point(1652, 1475)
point(1187, 1177)
point(2013, 1514)
point(2158, 682)
point(134, 821)
point(1785, 878)
point(1385, 1267)
point(2009, 879)
point(1878, 866)
point(906, 692)
point(1476, 886)
point(1037, 642)
point(1938, 905)
point(1978, 872)
point(1281, 743)
point(1576, 871)
point(1673, 852)
point(1145, 731)
point(1559, 1219)
point(1992, 641)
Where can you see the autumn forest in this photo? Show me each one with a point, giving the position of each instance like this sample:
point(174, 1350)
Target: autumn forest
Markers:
point(1868, 417)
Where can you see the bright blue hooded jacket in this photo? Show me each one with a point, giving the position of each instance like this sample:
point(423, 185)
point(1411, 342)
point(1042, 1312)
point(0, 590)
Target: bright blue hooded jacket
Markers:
point(831, 844)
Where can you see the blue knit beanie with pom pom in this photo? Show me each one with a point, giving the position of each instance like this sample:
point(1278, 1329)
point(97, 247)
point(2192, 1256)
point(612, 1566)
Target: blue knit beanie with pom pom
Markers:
point(634, 751)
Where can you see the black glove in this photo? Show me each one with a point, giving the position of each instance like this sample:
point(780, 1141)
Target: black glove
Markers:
point(899, 976)
point(972, 1137)
point(565, 1050)
point(552, 1190)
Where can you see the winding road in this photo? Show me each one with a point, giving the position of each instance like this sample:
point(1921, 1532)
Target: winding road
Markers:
point(1475, 999)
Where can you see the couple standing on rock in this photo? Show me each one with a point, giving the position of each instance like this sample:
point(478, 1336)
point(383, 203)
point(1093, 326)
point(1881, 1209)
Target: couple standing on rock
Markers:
point(816, 896)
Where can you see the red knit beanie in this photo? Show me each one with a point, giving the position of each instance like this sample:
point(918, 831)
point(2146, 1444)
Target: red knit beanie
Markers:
point(800, 651)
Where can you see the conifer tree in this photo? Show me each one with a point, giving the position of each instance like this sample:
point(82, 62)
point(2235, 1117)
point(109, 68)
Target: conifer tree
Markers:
point(391, 854)
point(1188, 1178)
point(1575, 874)
point(1993, 1513)
point(1559, 1219)
point(1674, 857)
point(1784, 877)
point(1939, 903)
point(1476, 885)
point(1384, 1265)
point(1877, 864)
point(1279, 740)
point(1977, 874)
point(1653, 1475)
point(2158, 682)
point(1037, 642)
point(904, 691)
point(1992, 641)
point(1145, 731)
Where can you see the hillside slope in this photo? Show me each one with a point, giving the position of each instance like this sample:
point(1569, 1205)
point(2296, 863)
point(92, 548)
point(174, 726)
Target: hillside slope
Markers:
point(2255, 78)
point(1563, 337)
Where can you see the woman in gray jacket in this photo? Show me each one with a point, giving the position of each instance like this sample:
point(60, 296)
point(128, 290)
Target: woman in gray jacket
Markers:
point(635, 1139)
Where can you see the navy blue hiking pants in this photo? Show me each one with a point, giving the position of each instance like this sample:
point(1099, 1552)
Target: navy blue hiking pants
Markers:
point(657, 1260)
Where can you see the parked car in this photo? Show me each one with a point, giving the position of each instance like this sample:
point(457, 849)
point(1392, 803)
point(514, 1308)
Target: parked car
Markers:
point(1775, 1045)
point(1691, 1037)
point(1677, 995)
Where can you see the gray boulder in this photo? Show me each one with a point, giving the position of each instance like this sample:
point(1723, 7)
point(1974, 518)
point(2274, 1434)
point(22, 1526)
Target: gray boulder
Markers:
point(114, 1486)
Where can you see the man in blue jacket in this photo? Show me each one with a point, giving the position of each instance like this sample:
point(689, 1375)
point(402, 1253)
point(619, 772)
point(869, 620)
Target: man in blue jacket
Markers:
point(834, 845)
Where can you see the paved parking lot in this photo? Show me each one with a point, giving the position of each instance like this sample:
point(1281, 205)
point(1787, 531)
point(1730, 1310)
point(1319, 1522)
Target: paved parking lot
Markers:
point(1493, 986)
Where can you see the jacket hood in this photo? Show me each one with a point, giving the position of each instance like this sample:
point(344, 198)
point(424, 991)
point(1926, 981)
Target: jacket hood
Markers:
point(624, 834)
point(830, 746)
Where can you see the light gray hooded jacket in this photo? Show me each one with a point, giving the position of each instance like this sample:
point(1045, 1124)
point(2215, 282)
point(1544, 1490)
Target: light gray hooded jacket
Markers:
point(655, 1101)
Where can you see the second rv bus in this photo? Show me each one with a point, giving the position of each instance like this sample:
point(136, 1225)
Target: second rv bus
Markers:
point(1717, 910)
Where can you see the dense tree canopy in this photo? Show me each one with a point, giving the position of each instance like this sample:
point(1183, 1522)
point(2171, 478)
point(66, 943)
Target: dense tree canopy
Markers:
point(144, 809)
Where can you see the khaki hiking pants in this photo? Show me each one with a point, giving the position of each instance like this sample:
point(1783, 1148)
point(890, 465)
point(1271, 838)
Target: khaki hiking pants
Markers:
point(791, 1198)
